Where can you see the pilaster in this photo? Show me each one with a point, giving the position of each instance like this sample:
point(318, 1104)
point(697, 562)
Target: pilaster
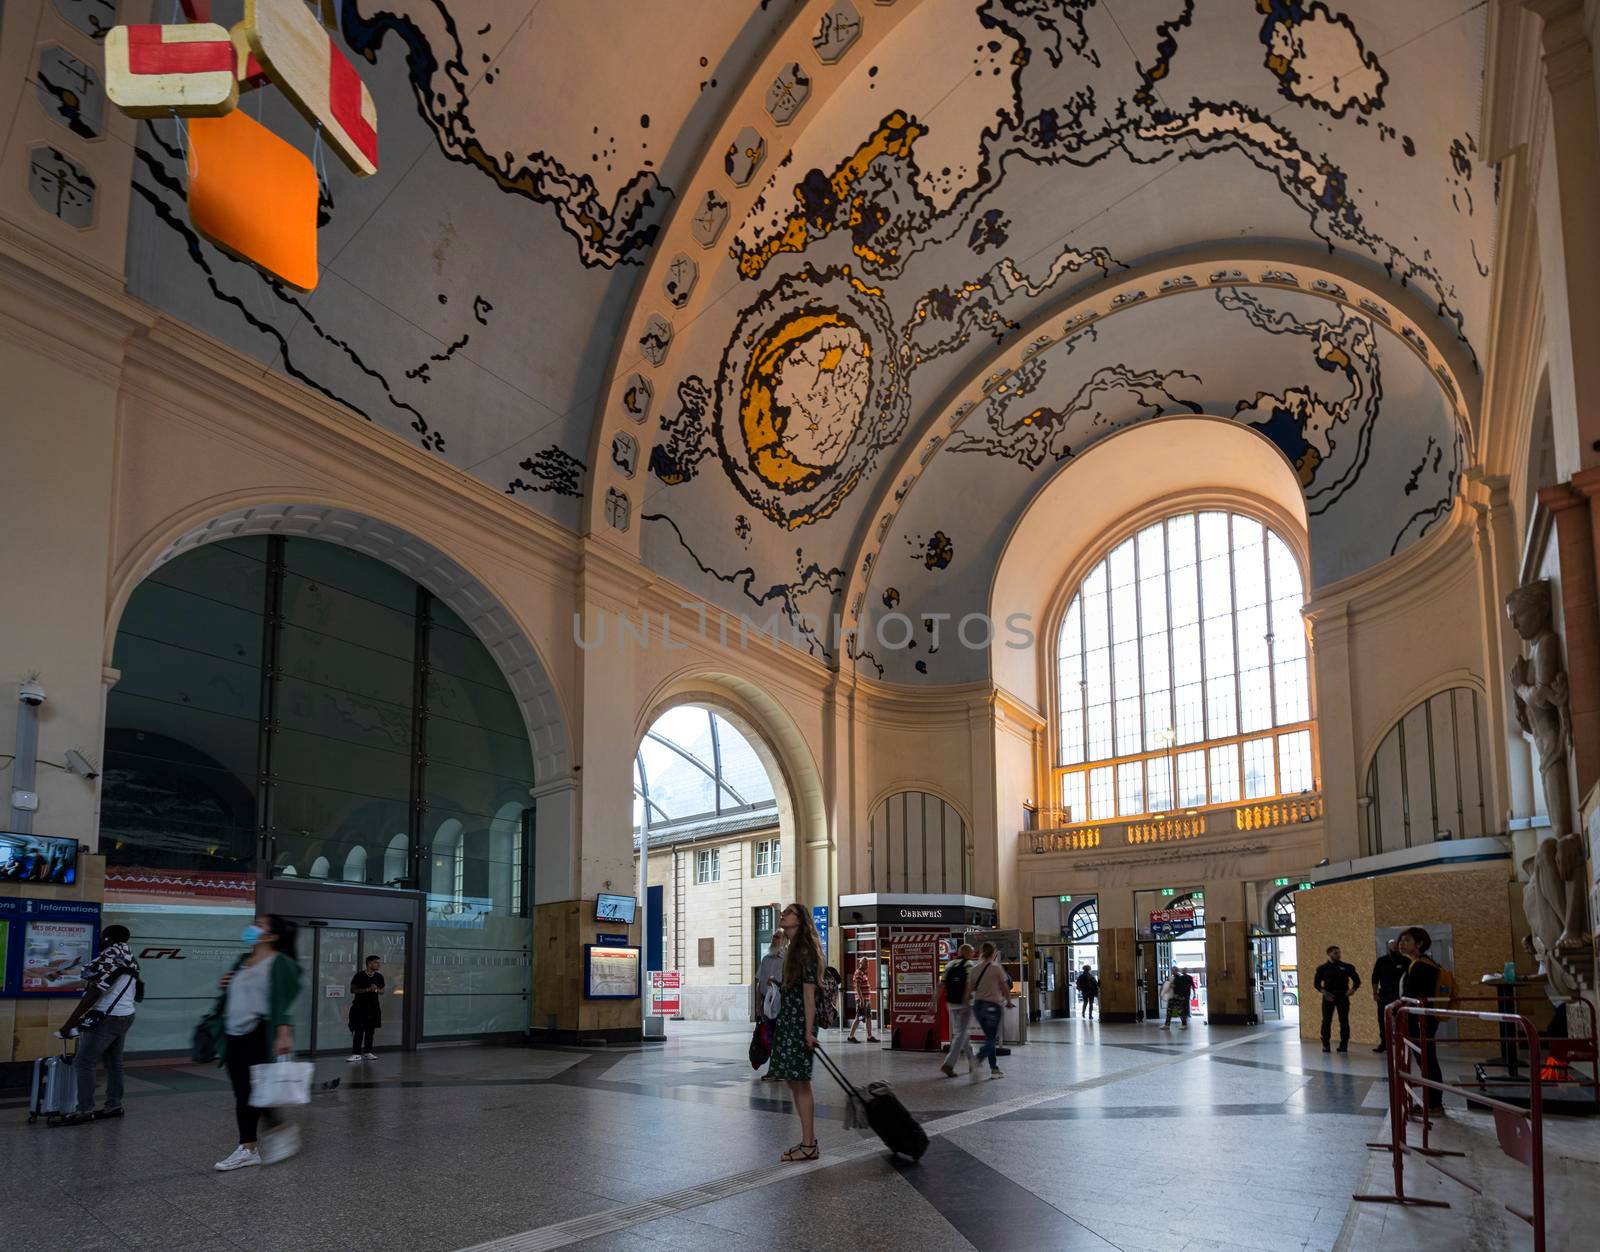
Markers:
point(1570, 505)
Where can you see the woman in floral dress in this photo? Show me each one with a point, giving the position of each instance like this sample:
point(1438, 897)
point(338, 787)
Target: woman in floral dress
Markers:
point(795, 1036)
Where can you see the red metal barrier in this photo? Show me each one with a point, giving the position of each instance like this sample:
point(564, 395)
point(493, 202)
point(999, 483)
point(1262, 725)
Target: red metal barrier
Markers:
point(1520, 1132)
point(1552, 1065)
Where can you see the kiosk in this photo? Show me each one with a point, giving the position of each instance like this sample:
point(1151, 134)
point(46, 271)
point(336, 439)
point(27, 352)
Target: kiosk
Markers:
point(873, 923)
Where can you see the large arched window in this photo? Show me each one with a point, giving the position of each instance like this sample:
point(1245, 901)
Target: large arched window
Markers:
point(1181, 673)
point(692, 768)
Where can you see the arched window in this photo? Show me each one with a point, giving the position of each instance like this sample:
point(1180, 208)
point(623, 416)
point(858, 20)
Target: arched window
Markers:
point(918, 843)
point(1083, 937)
point(1280, 913)
point(355, 865)
point(1181, 673)
point(692, 768)
point(395, 857)
point(320, 868)
point(1426, 780)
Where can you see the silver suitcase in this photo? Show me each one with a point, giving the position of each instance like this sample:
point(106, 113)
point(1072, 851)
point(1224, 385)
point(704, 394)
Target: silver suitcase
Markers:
point(54, 1093)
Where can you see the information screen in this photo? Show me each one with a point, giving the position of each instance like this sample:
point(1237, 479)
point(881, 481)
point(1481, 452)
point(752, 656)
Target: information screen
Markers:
point(610, 973)
point(37, 858)
point(609, 908)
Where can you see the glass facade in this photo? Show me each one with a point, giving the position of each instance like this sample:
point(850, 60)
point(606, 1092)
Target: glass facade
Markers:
point(294, 710)
point(1182, 676)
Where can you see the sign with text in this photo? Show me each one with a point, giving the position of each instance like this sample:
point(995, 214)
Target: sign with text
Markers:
point(47, 944)
point(819, 915)
point(1171, 923)
point(666, 988)
point(914, 991)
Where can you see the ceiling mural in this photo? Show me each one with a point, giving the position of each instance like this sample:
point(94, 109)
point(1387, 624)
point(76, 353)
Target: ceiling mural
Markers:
point(987, 164)
point(812, 412)
point(468, 285)
point(1352, 406)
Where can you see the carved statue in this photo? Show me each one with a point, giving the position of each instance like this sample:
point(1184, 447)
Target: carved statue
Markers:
point(1554, 894)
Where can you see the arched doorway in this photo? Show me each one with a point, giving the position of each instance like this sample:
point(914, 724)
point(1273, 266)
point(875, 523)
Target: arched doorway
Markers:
point(715, 823)
point(299, 658)
point(1277, 960)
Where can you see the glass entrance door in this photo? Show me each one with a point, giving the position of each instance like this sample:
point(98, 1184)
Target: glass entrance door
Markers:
point(331, 952)
point(1265, 952)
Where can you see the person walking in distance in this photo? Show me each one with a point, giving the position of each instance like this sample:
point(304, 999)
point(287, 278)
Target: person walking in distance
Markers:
point(1337, 979)
point(1387, 972)
point(958, 1004)
point(861, 989)
point(366, 1009)
point(1088, 990)
point(1180, 990)
point(769, 991)
point(1422, 981)
point(990, 989)
point(796, 1036)
point(105, 1016)
point(255, 1010)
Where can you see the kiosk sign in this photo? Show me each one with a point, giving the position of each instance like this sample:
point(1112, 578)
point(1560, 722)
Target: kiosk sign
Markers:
point(665, 988)
point(1171, 923)
point(914, 991)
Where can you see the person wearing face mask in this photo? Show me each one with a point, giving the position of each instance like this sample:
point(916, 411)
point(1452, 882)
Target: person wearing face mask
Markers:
point(255, 1012)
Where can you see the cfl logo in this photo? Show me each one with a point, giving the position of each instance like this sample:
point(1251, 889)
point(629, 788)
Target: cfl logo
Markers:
point(155, 954)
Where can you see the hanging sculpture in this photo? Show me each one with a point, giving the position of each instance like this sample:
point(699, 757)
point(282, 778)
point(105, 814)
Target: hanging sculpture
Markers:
point(251, 194)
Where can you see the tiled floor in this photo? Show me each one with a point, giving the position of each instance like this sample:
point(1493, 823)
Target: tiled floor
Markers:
point(1099, 1137)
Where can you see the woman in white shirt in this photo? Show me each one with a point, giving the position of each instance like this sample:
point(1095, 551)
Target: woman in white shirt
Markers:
point(991, 989)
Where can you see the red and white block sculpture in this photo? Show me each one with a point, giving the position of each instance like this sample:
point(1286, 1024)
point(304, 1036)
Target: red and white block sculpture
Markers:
point(158, 71)
point(299, 55)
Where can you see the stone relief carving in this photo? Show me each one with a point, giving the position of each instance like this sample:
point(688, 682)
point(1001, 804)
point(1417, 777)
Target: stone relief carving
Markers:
point(1553, 895)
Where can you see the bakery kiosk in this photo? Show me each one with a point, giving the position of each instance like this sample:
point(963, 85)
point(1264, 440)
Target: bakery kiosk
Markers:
point(904, 941)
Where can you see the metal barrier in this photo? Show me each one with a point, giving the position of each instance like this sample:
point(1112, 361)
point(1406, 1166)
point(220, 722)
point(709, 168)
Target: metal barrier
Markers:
point(1552, 1066)
point(1520, 1132)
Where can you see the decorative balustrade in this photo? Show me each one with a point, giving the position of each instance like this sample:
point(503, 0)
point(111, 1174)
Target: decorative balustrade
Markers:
point(1075, 839)
point(1277, 813)
point(1166, 829)
point(1057, 836)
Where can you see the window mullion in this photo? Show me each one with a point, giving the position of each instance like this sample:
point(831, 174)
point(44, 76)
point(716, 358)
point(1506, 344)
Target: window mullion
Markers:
point(1272, 632)
point(1138, 644)
point(1233, 624)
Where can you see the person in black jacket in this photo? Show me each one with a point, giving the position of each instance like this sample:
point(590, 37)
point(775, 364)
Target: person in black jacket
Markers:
point(366, 1009)
point(1387, 972)
point(1089, 988)
point(1421, 982)
point(1336, 979)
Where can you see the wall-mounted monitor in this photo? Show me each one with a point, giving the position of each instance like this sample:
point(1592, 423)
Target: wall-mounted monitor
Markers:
point(608, 908)
point(38, 859)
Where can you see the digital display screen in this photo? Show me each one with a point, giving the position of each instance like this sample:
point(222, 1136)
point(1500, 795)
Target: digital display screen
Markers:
point(38, 858)
point(608, 908)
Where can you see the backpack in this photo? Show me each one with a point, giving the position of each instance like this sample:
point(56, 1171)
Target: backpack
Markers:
point(1446, 989)
point(826, 1015)
point(955, 982)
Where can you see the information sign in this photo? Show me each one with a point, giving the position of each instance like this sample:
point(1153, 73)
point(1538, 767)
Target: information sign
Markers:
point(1171, 923)
point(665, 993)
point(914, 991)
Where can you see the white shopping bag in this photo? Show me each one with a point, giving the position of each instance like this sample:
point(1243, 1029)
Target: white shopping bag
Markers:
point(283, 1082)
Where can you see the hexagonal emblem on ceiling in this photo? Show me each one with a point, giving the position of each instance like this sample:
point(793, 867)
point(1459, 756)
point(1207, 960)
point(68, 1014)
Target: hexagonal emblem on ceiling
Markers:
point(656, 339)
point(709, 219)
point(637, 396)
point(788, 93)
point(625, 453)
point(744, 155)
point(681, 275)
point(837, 29)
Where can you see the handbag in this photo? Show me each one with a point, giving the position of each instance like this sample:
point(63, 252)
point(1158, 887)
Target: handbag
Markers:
point(760, 1045)
point(772, 1002)
point(280, 1083)
point(93, 1017)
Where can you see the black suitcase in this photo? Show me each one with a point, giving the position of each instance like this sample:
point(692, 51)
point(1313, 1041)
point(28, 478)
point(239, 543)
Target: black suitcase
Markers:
point(881, 1109)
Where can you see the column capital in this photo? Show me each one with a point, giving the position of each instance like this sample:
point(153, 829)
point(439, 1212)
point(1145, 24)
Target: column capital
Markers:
point(1586, 483)
point(1567, 54)
point(1561, 497)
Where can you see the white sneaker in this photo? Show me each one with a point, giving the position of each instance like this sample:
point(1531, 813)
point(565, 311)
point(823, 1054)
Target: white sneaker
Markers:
point(1186, 1025)
point(997, 1073)
point(241, 1157)
point(369, 1056)
point(1166, 1025)
point(280, 1144)
point(354, 1056)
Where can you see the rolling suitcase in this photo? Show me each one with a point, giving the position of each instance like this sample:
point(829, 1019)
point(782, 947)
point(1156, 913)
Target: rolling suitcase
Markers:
point(54, 1092)
point(882, 1111)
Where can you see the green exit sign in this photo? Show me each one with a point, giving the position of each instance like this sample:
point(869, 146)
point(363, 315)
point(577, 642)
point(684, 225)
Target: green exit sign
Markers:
point(1168, 891)
point(1306, 886)
point(1280, 882)
point(1066, 899)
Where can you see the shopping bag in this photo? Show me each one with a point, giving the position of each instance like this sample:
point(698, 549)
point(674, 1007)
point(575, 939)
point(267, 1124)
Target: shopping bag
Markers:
point(760, 1046)
point(280, 1083)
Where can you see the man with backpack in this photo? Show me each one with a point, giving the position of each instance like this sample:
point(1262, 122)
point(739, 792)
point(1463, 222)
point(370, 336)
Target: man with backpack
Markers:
point(101, 1022)
point(1089, 989)
point(958, 1004)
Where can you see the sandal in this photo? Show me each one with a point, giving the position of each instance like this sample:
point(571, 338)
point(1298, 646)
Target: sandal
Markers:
point(802, 1152)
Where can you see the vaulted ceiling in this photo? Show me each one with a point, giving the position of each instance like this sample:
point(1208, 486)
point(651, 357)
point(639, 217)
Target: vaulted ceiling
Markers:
point(803, 302)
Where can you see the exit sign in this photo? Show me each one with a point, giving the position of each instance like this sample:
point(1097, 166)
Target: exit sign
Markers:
point(1280, 882)
point(1066, 899)
point(1306, 886)
point(1168, 891)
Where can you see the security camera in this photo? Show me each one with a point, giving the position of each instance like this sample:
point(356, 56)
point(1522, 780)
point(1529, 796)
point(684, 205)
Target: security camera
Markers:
point(31, 693)
point(80, 765)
